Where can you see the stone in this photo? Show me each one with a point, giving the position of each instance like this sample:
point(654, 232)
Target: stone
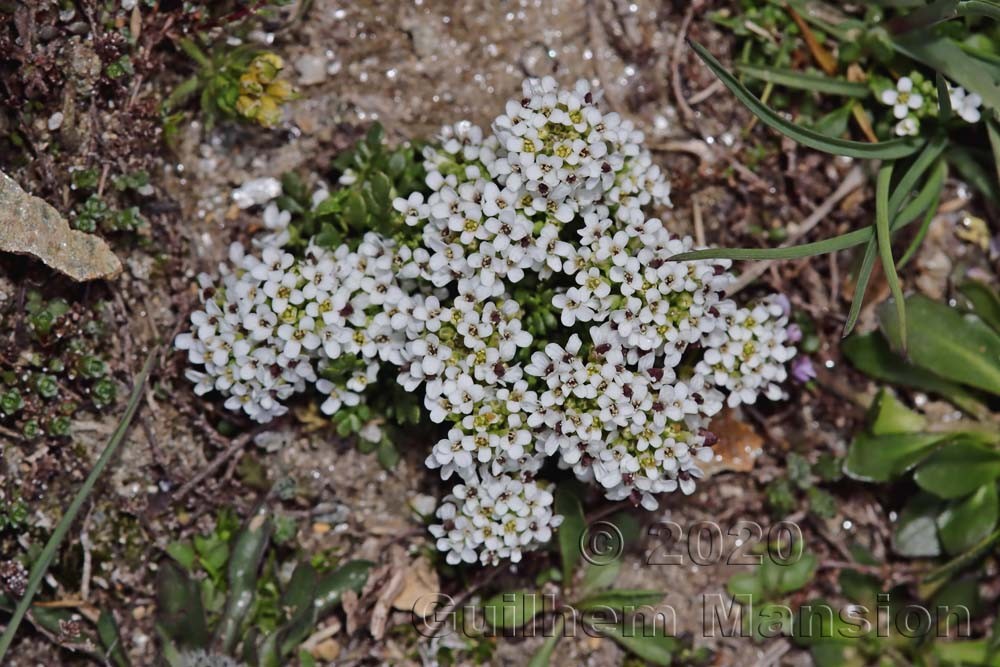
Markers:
point(312, 69)
point(30, 226)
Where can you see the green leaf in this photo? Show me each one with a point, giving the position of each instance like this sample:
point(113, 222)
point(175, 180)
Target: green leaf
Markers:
point(180, 613)
point(781, 578)
point(818, 625)
point(745, 583)
point(958, 469)
point(621, 600)
point(355, 212)
point(654, 647)
point(964, 653)
point(599, 576)
point(864, 275)
point(388, 455)
point(870, 354)
point(888, 415)
point(351, 576)
point(885, 252)
point(985, 302)
point(570, 532)
point(993, 131)
point(44, 560)
point(944, 98)
point(904, 187)
point(860, 588)
point(111, 640)
point(241, 576)
point(886, 150)
point(544, 655)
point(963, 560)
point(512, 609)
point(299, 599)
point(836, 122)
point(183, 553)
point(872, 458)
point(946, 56)
point(918, 238)
point(818, 83)
point(967, 522)
point(915, 534)
point(955, 346)
point(925, 200)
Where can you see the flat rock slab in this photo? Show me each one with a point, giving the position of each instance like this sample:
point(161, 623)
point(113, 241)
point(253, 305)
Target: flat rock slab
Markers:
point(30, 226)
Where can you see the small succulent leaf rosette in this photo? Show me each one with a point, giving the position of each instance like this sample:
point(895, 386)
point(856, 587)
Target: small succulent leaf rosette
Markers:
point(638, 354)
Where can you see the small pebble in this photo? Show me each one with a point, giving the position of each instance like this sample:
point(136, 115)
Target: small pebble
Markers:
point(312, 70)
point(56, 121)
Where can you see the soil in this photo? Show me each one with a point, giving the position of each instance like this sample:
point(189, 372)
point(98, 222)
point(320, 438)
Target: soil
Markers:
point(413, 66)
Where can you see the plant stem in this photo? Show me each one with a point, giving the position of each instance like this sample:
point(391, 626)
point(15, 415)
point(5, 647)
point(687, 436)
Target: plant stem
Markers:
point(41, 566)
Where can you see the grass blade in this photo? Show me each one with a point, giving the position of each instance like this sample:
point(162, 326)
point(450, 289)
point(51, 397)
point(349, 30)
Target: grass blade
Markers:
point(886, 150)
point(993, 130)
point(920, 203)
point(40, 567)
point(944, 98)
point(864, 275)
point(884, 240)
point(818, 83)
point(929, 193)
point(912, 175)
point(921, 232)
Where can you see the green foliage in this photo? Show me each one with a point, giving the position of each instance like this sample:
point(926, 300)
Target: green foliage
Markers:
point(60, 361)
point(231, 82)
point(872, 50)
point(798, 487)
point(100, 212)
point(222, 592)
point(372, 176)
point(13, 513)
point(587, 585)
point(955, 466)
point(44, 560)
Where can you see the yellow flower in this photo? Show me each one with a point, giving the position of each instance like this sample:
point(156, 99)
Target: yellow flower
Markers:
point(280, 90)
point(249, 85)
point(269, 113)
point(266, 66)
point(247, 106)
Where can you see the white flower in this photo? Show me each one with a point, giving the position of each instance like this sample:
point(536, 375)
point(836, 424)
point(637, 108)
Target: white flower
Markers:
point(966, 105)
point(257, 191)
point(902, 98)
point(908, 127)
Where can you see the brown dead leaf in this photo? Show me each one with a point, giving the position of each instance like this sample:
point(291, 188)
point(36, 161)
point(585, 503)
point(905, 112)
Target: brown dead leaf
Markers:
point(380, 614)
point(823, 58)
point(349, 601)
point(421, 587)
point(738, 446)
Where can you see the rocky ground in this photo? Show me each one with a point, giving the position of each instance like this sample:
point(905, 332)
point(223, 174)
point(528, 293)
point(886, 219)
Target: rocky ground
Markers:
point(410, 66)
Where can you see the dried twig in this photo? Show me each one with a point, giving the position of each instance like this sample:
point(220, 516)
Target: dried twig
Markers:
point(675, 63)
point(235, 446)
point(853, 180)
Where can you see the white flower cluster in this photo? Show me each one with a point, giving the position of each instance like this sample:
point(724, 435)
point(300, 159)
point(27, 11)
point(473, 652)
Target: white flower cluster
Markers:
point(277, 322)
point(549, 202)
point(490, 518)
point(914, 97)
